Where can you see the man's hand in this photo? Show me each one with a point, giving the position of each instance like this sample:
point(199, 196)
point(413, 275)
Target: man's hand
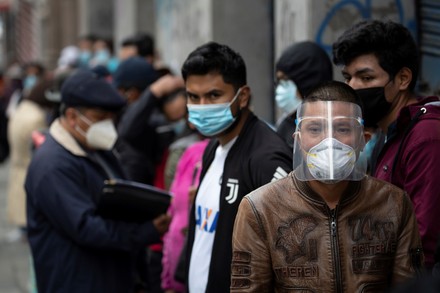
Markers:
point(162, 223)
point(166, 85)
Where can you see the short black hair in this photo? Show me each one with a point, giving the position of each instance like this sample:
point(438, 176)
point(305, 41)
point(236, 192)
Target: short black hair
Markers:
point(37, 65)
point(333, 91)
point(216, 58)
point(389, 41)
point(144, 44)
point(170, 98)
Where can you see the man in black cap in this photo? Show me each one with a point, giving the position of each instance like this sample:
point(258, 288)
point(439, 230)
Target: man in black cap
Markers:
point(74, 249)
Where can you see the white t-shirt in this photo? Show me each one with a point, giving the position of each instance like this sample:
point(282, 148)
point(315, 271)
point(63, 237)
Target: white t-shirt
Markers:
point(207, 213)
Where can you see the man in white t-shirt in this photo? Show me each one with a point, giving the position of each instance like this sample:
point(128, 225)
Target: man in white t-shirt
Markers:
point(243, 155)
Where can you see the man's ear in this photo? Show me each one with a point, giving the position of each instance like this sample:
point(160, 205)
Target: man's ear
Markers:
point(367, 135)
point(132, 94)
point(70, 116)
point(245, 97)
point(404, 78)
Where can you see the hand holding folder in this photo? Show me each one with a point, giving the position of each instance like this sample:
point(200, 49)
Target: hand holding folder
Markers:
point(132, 201)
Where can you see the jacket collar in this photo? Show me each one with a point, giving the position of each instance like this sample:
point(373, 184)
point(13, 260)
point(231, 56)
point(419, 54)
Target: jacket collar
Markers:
point(307, 192)
point(65, 139)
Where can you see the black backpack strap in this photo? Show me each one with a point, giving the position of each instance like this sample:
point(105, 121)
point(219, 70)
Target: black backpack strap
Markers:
point(410, 126)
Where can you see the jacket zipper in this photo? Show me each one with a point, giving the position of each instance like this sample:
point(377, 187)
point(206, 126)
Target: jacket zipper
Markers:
point(335, 249)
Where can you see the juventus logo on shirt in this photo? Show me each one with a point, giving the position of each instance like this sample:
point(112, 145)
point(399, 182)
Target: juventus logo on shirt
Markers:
point(233, 190)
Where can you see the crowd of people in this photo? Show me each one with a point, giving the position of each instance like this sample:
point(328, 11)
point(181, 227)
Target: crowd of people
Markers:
point(339, 195)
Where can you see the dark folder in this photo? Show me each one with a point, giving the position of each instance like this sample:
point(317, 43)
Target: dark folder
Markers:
point(132, 201)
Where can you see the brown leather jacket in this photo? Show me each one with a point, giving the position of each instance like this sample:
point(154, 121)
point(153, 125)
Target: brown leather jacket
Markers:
point(286, 239)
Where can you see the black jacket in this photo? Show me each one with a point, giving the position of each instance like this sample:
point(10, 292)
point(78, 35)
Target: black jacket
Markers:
point(140, 145)
point(257, 157)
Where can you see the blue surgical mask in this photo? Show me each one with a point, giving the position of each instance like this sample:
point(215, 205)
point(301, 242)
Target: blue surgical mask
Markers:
point(285, 96)
point(179, 126)
point(84, 58)
point(101, 57)
point(211, 120)
point(30, 81)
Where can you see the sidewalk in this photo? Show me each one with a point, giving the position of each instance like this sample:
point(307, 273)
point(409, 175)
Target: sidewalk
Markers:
point(14, 254)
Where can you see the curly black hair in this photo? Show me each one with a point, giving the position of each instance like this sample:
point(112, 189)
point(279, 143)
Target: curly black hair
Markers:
point(390, 42)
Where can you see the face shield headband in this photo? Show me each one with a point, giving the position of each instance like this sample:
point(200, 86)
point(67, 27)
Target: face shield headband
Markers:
point(328, 142)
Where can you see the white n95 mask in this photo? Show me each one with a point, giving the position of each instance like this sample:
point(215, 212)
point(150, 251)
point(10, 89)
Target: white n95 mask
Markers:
point(331, 160)
point(101, 135)
point(329, 142)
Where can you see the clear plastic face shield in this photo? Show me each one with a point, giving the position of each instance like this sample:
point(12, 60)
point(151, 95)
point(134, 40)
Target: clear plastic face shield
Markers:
point(329, 138)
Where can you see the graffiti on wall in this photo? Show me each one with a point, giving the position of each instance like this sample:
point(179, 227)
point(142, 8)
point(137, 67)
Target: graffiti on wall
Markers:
point(182, 25)
point(290, 17)
point(342, 14)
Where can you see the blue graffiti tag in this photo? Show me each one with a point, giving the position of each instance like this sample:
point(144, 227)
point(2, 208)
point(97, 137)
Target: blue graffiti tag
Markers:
point(365, 10)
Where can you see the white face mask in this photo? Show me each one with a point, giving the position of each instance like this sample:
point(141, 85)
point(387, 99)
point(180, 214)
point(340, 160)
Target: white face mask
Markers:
point(101, 135)
point(331, 161)
point(285, 96)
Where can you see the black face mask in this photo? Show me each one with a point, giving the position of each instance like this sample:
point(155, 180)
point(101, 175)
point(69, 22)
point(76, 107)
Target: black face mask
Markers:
point(375, 106)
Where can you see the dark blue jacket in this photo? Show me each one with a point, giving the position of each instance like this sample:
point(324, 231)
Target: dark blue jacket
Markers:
point(74, 249)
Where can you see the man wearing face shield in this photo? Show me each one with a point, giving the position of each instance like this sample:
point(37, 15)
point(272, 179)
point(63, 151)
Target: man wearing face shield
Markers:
point(75, 249)
point(326, 227)
point(244, 154)
point(380, 61)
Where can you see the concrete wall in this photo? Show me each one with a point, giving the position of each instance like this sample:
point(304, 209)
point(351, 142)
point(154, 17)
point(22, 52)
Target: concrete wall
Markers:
point(146, 16)
point(131, 17)
point(181, 26)
point(59, 18)
point(245, 26)
point(100, 17)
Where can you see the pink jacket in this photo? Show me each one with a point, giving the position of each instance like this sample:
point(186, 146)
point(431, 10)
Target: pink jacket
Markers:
point(186, 176)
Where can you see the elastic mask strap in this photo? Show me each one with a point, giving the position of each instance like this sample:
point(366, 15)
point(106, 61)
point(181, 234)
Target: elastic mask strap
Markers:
point(236, 96)
point(86, 120)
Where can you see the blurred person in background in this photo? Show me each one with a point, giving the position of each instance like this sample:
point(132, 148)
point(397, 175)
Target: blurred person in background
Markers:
point(33, 72)
point(11, 91)
point(185, 181)
point(300, 67)
point(85, 46)
point(141, 45)
point(4, 144)
point(33, 113)
point(136, 151)
point(103, 55)
point(69, 59)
